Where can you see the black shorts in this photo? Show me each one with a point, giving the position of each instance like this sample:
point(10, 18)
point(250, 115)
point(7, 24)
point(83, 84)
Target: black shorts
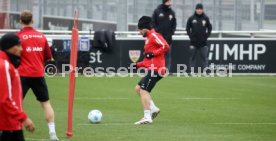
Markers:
point(148, 82)
point(38, 85)
point(12, 135)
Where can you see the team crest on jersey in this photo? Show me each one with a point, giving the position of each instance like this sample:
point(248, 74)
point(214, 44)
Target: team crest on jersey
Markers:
point(194, 21)
point(161, 15)
point(25, 37)
point(203, 22)
point(171, 17)
point(28, 49)
point(134, 55)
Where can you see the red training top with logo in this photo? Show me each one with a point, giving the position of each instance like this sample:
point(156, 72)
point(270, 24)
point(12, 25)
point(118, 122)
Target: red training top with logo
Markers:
point(156, 44)
point(11, 108)
point(35, 52)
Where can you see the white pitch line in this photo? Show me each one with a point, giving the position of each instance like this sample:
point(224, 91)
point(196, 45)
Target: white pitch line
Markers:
point(187, 98)
point(105, 124)
point(30, 139)
point(99, 98)
point(206, 98)
point(245, 123)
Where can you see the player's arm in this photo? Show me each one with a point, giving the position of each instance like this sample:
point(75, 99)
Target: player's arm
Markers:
point(140, 64)
point(9, 105)
point(209, 27)
point(47, 53)
point(161, 43)
point(174, 24)
point(188, 27)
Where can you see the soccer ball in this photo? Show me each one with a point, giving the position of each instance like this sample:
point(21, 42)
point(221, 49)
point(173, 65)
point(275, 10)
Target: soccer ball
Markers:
point(95, 116)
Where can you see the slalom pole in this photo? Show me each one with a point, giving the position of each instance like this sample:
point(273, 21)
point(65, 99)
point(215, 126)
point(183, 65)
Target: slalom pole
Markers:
point(72, 76)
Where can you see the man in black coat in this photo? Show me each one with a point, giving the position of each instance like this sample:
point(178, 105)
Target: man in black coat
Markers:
point(164, 22)
point(199, 29)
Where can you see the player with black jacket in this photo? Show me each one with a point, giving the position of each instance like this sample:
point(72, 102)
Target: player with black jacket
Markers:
point(164, 22)
point(199, 29)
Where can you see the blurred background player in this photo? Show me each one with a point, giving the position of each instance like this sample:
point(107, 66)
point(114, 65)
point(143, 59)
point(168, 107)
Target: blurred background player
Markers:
point(199, 30)
point(164, 22)
point(11, 108)
point(35, 52)
point(154, 61)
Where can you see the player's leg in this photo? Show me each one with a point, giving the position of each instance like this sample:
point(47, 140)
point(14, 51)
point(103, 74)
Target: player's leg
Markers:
point(192, 58)
point(204, 57)
point(5, 136)
point(40, 90)
point(137, 89)
point(49, 113)
point(18, 136)
point(145, 99)
point(25, 84)
point(50, 118)
point(155, 111)
point(12, 136)
point(140, 83)
point(153, 108)
point(145, 87)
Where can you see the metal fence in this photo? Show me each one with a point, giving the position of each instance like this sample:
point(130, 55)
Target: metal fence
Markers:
point(224, 14)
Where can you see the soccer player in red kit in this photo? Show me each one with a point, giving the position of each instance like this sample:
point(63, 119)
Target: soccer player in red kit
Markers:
point(35, 52)
point(154, 62)
point(12, 115)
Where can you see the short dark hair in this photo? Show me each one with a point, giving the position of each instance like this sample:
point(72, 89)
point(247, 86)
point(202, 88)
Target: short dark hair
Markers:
point(164, 1)
point(26, 17)
point(199, 6)
point(9, 40)
point(145, 22)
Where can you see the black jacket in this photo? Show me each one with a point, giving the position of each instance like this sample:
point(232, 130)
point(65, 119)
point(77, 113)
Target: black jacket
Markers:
point(164, 22)
point(199, 29)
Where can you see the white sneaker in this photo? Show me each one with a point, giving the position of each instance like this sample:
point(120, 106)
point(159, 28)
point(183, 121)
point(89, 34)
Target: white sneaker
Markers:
point(154, 113)
point(53, 137)
point(143, 121)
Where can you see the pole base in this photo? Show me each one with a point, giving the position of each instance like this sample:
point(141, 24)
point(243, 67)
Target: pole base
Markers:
point(69, 134)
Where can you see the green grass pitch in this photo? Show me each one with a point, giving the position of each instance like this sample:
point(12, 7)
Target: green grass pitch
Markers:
point(192, 109)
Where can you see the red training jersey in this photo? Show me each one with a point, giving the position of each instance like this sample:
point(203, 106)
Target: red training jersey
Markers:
point(35, 52)
point(11, 108)
point(156, 44)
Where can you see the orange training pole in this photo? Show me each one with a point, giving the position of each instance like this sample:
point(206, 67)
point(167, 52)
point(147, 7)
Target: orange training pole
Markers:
point(72, 79)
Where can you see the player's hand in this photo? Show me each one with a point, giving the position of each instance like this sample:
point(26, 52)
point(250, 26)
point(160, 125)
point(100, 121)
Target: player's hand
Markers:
point(149, 55)
point(52, 60)
point(29, 125)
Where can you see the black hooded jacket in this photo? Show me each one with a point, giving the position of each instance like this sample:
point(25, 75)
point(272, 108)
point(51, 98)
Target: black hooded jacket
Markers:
point(199, 29)
point(164, 22)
